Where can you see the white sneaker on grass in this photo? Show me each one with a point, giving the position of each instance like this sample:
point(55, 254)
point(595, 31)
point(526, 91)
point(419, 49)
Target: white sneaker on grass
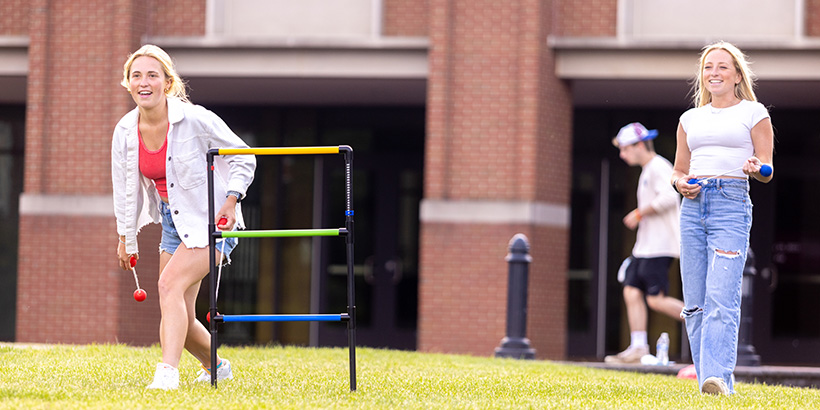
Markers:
point(714, 385)
point(223, 372)
point(165, 378)
point(632, 355)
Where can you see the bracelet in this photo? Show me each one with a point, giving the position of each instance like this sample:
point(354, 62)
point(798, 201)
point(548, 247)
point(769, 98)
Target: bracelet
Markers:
point(234, 193)
point(675, 184)
point(121, 241)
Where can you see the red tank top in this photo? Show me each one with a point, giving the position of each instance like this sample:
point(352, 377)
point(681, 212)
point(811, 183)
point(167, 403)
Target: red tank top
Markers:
point(152, 164)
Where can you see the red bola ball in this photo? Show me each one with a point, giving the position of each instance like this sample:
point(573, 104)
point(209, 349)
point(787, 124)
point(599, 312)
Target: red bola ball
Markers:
point(133, 261)
point(140, 295)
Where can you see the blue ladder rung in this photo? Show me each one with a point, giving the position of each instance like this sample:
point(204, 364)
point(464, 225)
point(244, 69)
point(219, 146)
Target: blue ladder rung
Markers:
point(284, 318)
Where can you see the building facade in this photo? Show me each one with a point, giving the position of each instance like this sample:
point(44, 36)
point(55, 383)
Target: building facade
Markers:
point(471, 120)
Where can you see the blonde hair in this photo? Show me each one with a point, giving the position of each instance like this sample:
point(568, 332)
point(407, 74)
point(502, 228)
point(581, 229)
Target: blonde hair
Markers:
point(743, 90)
point(177, 88)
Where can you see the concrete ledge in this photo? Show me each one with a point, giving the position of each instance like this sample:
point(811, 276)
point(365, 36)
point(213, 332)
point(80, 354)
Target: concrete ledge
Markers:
point(495, 212)
point(69, 205)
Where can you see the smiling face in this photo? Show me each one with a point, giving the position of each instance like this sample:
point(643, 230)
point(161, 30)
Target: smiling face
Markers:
point(719, 75)
point(147, 83)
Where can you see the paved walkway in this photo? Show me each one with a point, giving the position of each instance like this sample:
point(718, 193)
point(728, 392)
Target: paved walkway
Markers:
point(793, 376)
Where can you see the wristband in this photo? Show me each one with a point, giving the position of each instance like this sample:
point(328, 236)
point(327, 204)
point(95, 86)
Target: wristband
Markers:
point(675, 184)
point(121, 241)
point(234, 193)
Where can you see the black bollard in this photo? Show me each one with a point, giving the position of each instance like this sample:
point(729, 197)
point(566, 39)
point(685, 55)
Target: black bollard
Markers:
point(746, 355)
point(515, 345)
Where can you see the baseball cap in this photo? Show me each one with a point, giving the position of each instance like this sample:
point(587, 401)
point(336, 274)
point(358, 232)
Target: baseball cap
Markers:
point(632, 133)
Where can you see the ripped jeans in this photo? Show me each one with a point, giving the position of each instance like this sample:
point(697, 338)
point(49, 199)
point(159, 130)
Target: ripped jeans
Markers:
point(714, 241)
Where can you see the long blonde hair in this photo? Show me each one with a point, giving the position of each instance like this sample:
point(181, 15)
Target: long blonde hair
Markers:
point(743, 90)
point(177, 88)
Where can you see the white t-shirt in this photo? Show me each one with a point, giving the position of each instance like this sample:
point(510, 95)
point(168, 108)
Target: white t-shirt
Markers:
point(720, 139)
point(658, 234)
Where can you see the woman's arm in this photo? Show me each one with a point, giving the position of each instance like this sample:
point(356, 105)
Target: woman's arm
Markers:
point(682, 155)
point(763, 141)
point(680, 171)
point(118, 180)
point(242, 167)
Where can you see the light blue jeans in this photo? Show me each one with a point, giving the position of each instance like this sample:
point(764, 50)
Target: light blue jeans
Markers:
point(714, 240)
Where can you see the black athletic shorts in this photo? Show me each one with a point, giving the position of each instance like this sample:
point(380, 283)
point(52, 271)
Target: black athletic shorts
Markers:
point(651, 275)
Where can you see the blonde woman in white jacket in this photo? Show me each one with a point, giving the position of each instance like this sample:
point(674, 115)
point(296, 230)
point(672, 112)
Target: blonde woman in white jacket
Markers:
point(158, 171)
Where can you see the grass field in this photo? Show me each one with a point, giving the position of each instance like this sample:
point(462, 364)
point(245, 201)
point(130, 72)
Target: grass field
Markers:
point(115, 376)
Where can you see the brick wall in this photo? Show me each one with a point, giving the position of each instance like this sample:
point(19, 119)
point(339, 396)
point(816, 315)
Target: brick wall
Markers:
point(585, 18)
point(177, 18)
point(489, 138)
point(462, 296)
point(70, 288)
point(547, 299)
point(14, 18)
point(405, 18)
point(74, 96)
point(812, 21)
point(62, 292)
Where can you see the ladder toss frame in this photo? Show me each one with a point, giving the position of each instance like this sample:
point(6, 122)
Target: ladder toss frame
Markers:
point(347, 232)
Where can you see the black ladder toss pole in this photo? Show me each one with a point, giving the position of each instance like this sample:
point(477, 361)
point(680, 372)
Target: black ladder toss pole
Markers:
point(351, 283)
point(212, 256)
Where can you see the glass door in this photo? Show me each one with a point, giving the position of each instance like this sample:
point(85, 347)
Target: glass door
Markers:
point(786, 241)
point(387, 190)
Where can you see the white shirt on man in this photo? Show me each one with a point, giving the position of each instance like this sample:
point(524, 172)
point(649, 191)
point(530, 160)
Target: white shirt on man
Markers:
point(658, 234)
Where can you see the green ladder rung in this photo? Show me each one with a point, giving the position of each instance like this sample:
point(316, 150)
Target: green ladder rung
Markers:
point(281, 233)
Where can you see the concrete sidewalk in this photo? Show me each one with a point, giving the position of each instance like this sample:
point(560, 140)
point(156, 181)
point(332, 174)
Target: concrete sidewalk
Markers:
point(792, 376)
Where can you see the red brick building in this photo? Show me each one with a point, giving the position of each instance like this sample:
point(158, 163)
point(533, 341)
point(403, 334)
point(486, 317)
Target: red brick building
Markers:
point(492, 118)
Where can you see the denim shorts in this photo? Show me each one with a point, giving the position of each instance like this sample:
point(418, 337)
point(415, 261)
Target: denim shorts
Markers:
point(171, 240)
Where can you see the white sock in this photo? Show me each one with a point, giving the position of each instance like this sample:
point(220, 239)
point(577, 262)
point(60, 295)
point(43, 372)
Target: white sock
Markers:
point(638, 339)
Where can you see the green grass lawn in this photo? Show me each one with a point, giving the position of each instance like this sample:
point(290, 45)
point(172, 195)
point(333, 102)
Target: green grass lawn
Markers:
point(115, 376)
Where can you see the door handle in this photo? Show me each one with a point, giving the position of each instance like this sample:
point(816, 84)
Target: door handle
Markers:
point(770, 273)
point(369, 275)
point(394, 266)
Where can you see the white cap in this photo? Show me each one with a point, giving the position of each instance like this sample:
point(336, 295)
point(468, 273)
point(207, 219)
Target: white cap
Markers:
point(632, 133)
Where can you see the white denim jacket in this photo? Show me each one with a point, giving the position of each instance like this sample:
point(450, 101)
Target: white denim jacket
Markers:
point(193, 130)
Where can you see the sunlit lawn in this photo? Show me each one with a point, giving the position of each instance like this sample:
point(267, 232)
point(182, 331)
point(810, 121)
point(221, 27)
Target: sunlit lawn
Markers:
point(115, 376)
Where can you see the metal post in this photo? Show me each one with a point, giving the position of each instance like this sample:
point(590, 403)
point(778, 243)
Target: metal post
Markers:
point(746, 354)
point(603, 251)
point(351, 280)
point(515, 344)
point(211, 246)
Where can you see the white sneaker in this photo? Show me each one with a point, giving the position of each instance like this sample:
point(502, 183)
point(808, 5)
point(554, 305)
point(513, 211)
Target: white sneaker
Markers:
point(714, 385)
point(632, 355)
point(223, 372)
point(165, 378)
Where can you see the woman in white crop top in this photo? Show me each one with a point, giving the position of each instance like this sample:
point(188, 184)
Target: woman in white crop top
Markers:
point(727, 136)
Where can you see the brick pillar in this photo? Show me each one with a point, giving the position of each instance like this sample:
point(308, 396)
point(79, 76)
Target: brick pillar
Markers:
point(497, 163)
point(70, 289)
